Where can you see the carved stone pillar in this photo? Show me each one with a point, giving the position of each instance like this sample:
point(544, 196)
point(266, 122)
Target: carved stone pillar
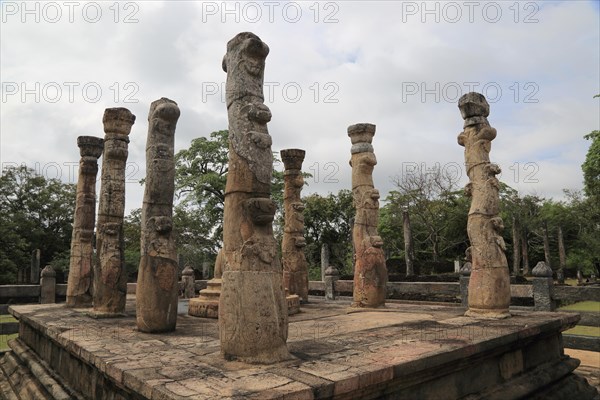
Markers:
point(489, 285)
point(253, 321)
point(157, 287)
point(110, 280)
point(370, 273)
point(79, 285)
point(295, 267)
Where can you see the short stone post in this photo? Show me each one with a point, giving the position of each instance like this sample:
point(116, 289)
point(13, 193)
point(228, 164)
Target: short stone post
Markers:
point(48, 286)
point(465, 275)
point(543, 288)
point(332, 275)
point(187, 277)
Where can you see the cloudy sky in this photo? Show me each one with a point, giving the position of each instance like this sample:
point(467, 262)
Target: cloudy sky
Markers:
point(398, 64)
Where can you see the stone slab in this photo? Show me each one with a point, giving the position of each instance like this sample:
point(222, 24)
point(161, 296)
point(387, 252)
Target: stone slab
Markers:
point(410, 350)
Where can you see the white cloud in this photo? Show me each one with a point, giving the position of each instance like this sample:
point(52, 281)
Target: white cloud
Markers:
point(378, 63)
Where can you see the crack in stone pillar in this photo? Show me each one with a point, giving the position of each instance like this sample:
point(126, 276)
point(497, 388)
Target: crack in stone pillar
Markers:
point(253, 320)
point(110, 279)
point(79, 285)
point(157, 287)
point(370, 273)
point(295, 267)
point(489, 284)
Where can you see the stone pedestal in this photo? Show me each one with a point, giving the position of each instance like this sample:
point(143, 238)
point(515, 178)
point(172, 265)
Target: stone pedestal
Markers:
point(207, 304)
point(110, 279)
point(332, 275)
point(370, 272)
point(489, 285)
point(79, 286)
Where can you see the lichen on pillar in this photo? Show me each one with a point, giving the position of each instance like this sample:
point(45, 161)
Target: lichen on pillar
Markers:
point(295, 267)
point(370, 273)
point(253, 321)
point(110, 279)
point(157, 287)
point(79, 285)
point(489, 284)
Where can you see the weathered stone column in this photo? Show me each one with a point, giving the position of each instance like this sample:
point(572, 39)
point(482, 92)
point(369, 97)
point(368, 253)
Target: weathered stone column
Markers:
point(295, 267)
point(465, 277)
point(35, 266)
point(79, 285)
point(48, 286)
point(324, 260)
point(370, 273)
point(543, 288)
point(110, 280)
point(157, 287)
point(489, 286)
point(253, 321)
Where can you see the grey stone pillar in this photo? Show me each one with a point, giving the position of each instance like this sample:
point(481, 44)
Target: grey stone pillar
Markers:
point(465, 275)
point(332, 275)
point(35, 266)
point(324, 260)
point(48, 286)
point(543, 288)
point(187, 277)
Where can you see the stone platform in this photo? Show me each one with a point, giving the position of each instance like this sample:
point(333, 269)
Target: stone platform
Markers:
point(406, 351)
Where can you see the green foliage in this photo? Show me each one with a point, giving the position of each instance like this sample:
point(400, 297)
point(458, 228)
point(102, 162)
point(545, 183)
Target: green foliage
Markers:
point(328, 220)
point(132, 226)
point(35, 213)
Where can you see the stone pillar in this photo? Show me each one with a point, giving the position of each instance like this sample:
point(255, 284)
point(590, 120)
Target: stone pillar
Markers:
point(295, 267)
point(189, 281)
point(543, 288)
point(253, 321)
point(324, 260)
point(157, 287)
point(370, 272)
point(48, 286)
point(35, 266)
point(110, 280)
point(332, 275)
point(465, 274)
point(79, 284)
point(489, 286)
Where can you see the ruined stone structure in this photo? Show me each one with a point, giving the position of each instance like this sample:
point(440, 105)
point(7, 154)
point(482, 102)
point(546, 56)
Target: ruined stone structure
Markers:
point(370, 273)
point(206, 305)
point(157, 287)
point(110, 281)
point(489, 285)
point(295, 267)
point(253, 319)
point(79, 287)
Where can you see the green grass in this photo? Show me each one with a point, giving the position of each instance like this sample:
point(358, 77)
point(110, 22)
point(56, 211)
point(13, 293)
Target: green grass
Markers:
point(584, 330)
point(4, 340)
point(583, 306)
point(7, 318)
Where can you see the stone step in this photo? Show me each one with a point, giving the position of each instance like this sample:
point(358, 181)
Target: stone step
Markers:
point(211, 294)
point(24, 377)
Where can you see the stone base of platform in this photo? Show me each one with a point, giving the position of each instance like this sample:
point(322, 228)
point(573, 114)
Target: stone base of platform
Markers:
point(412, 352)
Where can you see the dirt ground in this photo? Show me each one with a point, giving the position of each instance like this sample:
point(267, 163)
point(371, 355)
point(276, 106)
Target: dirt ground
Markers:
point(589, 367)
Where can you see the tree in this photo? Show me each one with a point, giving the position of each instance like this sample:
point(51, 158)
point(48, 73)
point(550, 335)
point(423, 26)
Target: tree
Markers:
point(35, 213)
point(438, 212)
point(591, 167)
point(328, 220)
